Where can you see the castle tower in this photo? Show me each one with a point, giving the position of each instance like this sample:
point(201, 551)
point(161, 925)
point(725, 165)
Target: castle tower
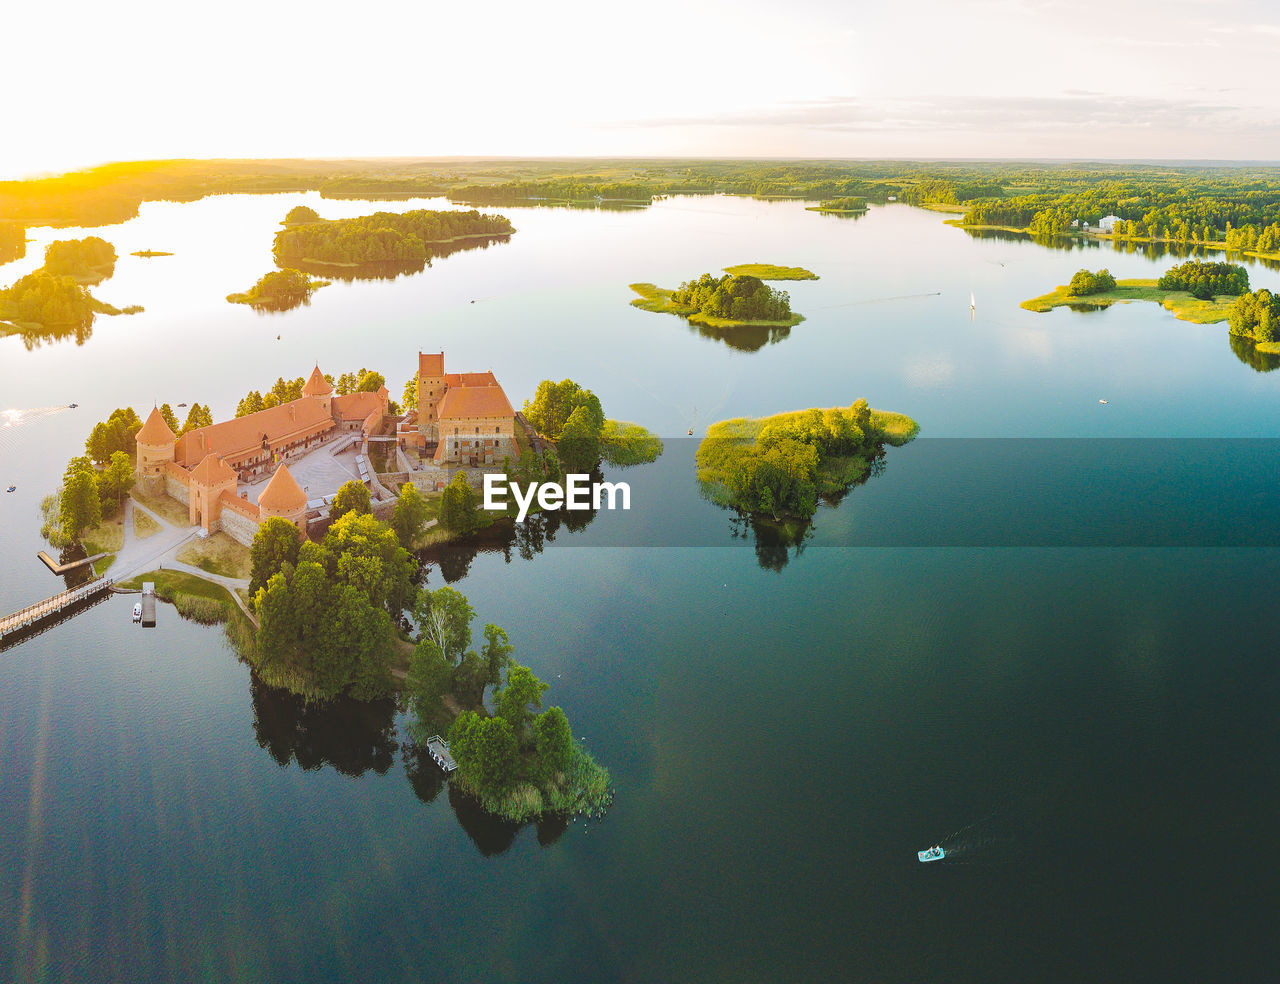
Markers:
point(283, 498)
point(318, 387)
point(155, 449)
point(209, 480)
point(430, 392)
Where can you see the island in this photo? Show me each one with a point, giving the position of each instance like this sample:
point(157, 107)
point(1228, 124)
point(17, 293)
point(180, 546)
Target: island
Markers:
point(146, 254)
point(770, 271)
point(403, 240)
point(781, 466)
point(1194, 291)
point(279, 290)
point(721, 302)
point(53, 301)
point(840, 206)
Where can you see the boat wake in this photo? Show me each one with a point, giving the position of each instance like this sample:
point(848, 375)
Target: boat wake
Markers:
point(987, 841)
point(16, 418)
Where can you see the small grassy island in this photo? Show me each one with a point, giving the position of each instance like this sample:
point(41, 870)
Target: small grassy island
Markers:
point(146, 254)
point(840, 206)
point(279, 290)
point(731, 301)
point(782, 465)
point(770, 271)
point(1194, 291)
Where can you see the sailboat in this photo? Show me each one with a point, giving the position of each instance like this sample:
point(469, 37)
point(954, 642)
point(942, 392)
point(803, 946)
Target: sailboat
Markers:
point(972, 303)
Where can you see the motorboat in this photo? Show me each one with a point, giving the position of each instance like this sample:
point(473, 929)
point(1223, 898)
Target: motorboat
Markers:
point(137, 617)
point(12, 488)
point(1103, 402)
point(72, 406)
point(935, 853)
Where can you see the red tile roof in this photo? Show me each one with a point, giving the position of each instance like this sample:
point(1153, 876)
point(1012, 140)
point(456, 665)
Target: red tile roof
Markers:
point(317, 385)
point(430, 364)
point(230, 500)
point(357, 406)
point(474, 401)
point(283, 494)
point(212, 471)
point(155, 432)
point(242, 438)
point(470, 379)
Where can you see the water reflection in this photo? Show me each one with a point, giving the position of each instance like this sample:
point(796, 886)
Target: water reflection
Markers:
point(392, 270)
point(353, 736)
point(1247, 352)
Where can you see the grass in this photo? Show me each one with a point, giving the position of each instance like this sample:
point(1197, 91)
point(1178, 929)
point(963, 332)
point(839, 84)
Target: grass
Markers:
point(770, 271)
point(658, 300)
point(107, 537)
point(100, 566)
point(143, 525)
point(219, 554)
point(624, 443)
point(194, 597)
point(1180, 302)
point(584, 787)
point(170, 510)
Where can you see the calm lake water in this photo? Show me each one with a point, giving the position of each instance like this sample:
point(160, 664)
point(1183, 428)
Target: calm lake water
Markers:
point(1087, 718)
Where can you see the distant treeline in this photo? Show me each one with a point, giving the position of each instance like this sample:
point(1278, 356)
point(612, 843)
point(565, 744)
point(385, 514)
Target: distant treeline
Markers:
point(383, 237)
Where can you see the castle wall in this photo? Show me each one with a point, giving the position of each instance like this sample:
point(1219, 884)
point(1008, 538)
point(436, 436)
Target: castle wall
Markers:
point(176, 489)
point(238, 526)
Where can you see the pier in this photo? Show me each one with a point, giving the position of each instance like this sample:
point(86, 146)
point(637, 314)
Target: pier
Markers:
point(36, 618)
point(438, 749)
point(61, 569)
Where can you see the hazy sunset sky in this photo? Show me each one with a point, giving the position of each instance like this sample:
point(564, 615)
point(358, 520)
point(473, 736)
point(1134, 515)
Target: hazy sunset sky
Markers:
point(92, 82)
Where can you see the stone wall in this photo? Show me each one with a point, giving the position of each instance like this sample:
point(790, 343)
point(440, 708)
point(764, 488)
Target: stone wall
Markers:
point(238, 526)
point(175, 489)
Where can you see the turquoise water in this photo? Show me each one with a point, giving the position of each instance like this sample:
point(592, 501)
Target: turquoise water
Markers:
point(783, 741)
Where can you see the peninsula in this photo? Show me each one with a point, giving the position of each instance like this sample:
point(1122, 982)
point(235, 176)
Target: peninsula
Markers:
point(1194, 291)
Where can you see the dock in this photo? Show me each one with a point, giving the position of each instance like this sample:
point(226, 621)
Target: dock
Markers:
point(61, 569)
point(148, 604)
point(43, 614)
point(438, 749)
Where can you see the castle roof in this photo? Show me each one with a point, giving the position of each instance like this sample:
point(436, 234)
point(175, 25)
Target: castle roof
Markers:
point(316, 384)
point(244, 437)
point(155, 432)
point(357, 406)
point(212, 471)
point(430, 364)
point(470, 379)
point(474, 401)
point(283, 494)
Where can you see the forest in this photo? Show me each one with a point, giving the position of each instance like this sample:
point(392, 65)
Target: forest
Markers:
point(89, 260)
point(1205, 280)
point(279, 290)
point(1256, 316)
point(383, 237)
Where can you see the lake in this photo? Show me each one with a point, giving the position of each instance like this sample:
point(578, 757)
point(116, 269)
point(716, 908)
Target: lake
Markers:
point(1076, 694)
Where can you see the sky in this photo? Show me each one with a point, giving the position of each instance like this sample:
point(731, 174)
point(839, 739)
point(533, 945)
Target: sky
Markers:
point(136, 79)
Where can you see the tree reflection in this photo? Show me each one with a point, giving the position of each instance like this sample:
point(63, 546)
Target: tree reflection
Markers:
point(1247, 352)
point(392, 270)
point(352, 736)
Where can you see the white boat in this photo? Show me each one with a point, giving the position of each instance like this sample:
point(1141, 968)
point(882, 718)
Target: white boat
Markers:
point(137, 612)
point(934, 853)
point(972, 301)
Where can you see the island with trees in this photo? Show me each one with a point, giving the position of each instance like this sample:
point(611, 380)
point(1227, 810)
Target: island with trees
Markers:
point(782, 466)
point(841, 206)
point(1193, 291)
point(280, 290)
point(403, 241)
point(721, 302)
point(53, 301)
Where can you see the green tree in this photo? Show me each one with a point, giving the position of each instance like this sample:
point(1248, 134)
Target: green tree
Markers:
point(554, 740)
point(170, 418)
point(580, 441)
point(370, 558)
point(459, 506)
point(351, 496)
point(371, 382)
point(410, 398)
point(197, 417)
point(117, 433)
point(80, 507)
point(521, 691)
point(115, 482)
point(274, 545)
point(430, 677)
point(409, 515)
point(496, 654)
point(444, 617)
point(277, 624)
point(486, 752)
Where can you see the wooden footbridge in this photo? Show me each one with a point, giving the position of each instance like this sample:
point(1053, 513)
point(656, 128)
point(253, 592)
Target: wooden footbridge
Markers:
point(34, 619)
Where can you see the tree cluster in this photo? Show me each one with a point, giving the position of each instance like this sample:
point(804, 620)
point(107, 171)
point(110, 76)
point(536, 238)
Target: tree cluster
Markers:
point(44, 299)
point(328, 616)
point(279, 290)
point(572, 417)
point(117, 433)
point(1256, 315)
point(384, 237)
point(90, 258)
point(13, 241)
point(740, 298)
point(1084, 283)
point(301, 214)
point(1204, 280)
